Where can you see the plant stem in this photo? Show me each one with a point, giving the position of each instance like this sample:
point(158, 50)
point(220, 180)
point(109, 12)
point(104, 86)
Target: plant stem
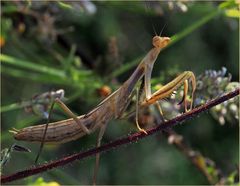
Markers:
point(174, 39)
point(31, 66)
point(119, 142)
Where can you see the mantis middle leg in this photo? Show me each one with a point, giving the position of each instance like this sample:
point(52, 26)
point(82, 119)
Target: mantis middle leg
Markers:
point(99, 139)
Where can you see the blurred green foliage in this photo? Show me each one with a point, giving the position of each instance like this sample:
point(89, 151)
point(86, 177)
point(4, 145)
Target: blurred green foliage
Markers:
point(40, 182)
point(81, 47)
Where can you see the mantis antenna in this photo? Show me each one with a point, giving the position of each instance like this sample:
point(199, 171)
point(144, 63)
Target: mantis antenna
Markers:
point(162, 29)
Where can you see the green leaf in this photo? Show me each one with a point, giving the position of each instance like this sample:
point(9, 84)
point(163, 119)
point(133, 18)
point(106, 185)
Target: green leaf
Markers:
point(64, 5)
point(232, 13)
point(228, 4)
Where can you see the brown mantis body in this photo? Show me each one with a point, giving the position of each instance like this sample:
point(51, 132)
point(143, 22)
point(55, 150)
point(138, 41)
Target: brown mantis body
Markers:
point(110, 108)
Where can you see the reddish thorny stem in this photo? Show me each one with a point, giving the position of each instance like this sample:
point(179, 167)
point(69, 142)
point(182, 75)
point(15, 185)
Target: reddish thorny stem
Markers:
point(125, 140)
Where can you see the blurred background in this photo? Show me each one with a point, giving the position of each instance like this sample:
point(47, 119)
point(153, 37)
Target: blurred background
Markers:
point(89, 49)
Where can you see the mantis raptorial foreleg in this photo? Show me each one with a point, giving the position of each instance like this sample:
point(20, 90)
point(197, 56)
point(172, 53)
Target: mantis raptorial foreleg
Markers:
point(167, 89)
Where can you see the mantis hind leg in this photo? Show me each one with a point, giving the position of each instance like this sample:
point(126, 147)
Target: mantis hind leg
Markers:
point(69, 113)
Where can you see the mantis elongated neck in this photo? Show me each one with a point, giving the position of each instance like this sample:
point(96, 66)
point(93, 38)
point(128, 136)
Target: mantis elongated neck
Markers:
point(144, 68)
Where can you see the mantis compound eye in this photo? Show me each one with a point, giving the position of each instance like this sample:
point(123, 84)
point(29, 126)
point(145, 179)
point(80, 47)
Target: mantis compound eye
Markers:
point(165, 41)
point(160, 42)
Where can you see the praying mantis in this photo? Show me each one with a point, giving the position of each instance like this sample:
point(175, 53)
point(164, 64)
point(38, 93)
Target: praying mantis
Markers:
point(110, 108)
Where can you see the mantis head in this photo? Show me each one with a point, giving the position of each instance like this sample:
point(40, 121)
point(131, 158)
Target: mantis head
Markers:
point(160, 42)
